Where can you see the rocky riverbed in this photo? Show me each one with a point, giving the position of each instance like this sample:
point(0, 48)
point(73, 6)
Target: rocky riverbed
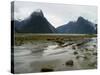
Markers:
point(47, 56)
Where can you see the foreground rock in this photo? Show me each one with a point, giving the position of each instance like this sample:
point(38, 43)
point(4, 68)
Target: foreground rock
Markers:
point(46, 70)
point(69, 63)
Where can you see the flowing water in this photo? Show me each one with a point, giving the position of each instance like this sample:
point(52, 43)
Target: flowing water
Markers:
point(36, 55)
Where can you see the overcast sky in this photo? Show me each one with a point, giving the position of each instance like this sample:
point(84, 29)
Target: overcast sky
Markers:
point(56, 14)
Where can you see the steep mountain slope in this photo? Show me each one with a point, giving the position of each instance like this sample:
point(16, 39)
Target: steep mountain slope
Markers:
point(36, 23)
point(81, 26)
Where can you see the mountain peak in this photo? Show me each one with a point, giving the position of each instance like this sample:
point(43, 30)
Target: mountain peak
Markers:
point(81, 26)
point(36, 23)
point(80, 18)
point(37, 12)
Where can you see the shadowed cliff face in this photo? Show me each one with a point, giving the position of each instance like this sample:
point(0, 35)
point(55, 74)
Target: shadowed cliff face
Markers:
point(81, 26)
point(36, 23)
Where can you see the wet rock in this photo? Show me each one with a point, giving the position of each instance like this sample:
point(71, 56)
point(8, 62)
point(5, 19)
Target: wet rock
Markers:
point(87, 53)
point(94, 45)
point(79, 44)
point(73, 47)
point(69, 63)
point(86, 49)
point(59, 42)
point(46, 70)
point(77, 57)
point(95, 53)
point(75, 53)
point(85, 57)
point(65, 45)
point(93, 64)
point(48, 39)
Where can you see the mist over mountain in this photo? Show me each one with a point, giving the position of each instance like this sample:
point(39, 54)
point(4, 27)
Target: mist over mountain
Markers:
point(36, 23)
point(81, 26)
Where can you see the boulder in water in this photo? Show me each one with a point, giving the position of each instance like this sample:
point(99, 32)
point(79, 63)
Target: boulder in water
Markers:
point(46, 70)
point(69, 63)
point(75, 53)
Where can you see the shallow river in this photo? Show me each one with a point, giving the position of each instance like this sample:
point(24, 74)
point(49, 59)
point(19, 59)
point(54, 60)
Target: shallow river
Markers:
point(36, 55)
